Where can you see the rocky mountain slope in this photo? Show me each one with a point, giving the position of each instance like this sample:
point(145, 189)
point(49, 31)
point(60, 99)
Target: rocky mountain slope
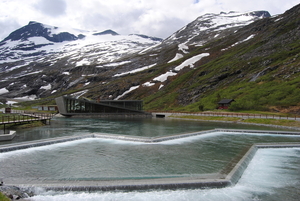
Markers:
point(226, 55)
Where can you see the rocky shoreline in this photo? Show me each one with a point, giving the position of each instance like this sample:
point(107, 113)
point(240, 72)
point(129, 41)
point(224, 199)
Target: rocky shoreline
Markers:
point(15, 193)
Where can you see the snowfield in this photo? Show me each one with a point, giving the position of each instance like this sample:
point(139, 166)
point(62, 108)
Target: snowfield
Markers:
point(128, 91)
point(164, 76)
point(91, 48)
point(191, 61)
point(3, 91)
point(177, 56)
point(135, 71)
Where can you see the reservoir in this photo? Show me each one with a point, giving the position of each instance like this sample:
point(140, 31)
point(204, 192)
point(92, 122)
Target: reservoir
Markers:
point(94, 159)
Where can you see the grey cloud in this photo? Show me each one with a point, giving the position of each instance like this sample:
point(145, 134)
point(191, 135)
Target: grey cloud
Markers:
point(95, 21)
point(120, 22)
point(8, 26)
point(166, 28)
point(52, 8)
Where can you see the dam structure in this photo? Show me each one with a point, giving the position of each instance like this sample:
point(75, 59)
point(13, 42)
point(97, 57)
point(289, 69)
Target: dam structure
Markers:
point(227, 177)
point(69, 106)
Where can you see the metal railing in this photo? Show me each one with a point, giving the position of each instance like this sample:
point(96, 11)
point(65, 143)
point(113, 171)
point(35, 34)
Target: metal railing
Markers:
point(23, 117)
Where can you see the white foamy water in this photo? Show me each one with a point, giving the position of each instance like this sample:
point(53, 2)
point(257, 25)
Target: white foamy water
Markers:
point(273, 174)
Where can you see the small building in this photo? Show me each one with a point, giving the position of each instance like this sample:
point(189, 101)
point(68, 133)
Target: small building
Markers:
point(8, 110)
point(225, 103)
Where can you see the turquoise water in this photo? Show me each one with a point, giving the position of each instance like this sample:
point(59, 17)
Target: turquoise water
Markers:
point(148, 127)
point(98, 159)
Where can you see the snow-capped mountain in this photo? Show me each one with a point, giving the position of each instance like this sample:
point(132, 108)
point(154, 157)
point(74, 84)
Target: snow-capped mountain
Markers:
point(42, 43)
point(41, 60)
point(211, 27)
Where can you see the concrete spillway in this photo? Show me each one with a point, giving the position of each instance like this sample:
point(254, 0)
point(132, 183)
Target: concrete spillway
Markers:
point(220, 180)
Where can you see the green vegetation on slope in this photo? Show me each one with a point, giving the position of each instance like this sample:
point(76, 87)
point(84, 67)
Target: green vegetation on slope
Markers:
point(3, 197)
point(260, 74)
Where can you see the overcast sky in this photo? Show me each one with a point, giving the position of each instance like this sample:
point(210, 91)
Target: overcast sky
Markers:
point(158, 18)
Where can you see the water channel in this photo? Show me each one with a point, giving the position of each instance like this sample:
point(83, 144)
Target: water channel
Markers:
point(271, 173)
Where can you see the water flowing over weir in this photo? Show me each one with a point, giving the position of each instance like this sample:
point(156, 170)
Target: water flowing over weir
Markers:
point(170, 179)
point(267, 178)
point(153, 155)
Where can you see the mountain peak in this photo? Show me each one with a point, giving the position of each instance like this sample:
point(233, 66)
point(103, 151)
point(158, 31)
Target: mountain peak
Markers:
point(259, 14)
point(210, 25)
point(36, 29)
point(34, 22)
point(107, 32)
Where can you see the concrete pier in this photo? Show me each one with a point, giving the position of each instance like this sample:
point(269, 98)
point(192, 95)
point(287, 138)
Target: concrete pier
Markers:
point(7, 137)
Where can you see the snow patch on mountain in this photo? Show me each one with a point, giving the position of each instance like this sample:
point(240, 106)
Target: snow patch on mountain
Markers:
point(135, 71)
point(148, 49)
point(250, 37)
point(117, 64)
point(225, 20)
point(148, 84)
point(164, 76)
point(183, 48)
point(47, 87)
point(3, 91)
point(52, 31)
point(128, 91)
point(191, 61)
point(25, 98)
point(84, 61)
point(79, 94)
point(177, 56)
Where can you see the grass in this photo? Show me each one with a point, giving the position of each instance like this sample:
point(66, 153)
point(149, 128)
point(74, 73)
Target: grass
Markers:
point(278, 122)
point(23, 125)
point(3, 197)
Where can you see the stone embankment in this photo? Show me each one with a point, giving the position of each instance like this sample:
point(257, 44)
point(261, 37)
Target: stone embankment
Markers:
point(15, 193)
